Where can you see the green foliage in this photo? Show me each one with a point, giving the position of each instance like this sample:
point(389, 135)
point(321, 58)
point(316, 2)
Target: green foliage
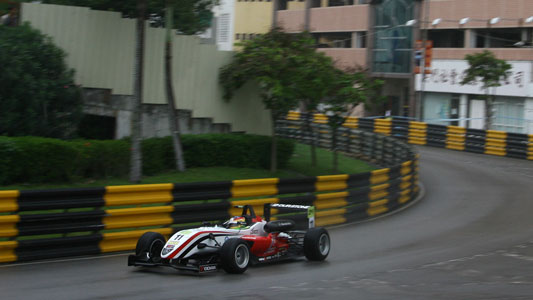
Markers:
point(100, 159)
point(491, 71)
point(157, 154)
point(190, 16)
point(46, 160)
point(250, 151)
point(485, 66)
point(349, 88)
point(274, 60)
point(37, 159)
point(37, 92)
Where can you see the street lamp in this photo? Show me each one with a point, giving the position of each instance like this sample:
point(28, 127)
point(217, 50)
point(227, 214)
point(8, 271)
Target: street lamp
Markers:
point(410, 23)
point(436, 22)
point(463, 21)
point(494, 20)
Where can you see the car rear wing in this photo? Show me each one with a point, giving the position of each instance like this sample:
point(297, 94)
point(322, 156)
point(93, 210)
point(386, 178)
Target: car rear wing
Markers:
point(310, 211)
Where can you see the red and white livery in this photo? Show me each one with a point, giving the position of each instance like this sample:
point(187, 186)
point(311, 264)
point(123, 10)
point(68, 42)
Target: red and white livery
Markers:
point(235, 244)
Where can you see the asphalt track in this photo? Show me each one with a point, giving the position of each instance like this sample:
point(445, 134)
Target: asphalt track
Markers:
point(471, 237)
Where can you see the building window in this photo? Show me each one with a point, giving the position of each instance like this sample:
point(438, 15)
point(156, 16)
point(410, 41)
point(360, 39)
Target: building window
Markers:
point(509, 114)
point(237, 36)
point(447, 38)
point(497, 37)
point(392, 52)
point(361, 39)
point(333, 40)
point(223, 28)
point(340, 2)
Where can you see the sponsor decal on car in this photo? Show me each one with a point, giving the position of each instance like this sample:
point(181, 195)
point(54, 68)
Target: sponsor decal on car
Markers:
point(270, 257)
point(208, 268)
point(289, 206)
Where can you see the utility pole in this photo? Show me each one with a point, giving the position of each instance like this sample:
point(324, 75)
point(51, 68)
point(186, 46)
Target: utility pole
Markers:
point(420, 101)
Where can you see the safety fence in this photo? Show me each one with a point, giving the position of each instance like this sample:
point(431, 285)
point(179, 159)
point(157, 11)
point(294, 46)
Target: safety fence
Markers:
point(492, 142)
point(43, 224)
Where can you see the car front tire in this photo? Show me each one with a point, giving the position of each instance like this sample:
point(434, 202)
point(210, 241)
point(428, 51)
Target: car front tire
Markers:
point(149, 246)
point(235, 256)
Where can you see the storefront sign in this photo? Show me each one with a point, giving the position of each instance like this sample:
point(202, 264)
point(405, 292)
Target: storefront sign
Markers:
point(446, 77)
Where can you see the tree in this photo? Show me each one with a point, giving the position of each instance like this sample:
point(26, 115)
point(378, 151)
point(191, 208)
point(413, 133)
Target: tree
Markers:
point(37, 91)
point(173, 121)
point(347, 88)
point(273, 60)
point(313, 83)
point(491, 71)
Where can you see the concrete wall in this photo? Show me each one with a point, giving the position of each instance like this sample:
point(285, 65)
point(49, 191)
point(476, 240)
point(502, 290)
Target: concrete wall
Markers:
point(155, 121)
point(100, 47)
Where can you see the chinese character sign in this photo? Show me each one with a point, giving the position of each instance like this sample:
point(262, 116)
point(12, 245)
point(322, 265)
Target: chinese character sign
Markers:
point(446, 77)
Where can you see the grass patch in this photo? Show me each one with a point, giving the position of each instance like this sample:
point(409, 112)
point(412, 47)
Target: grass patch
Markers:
point(299, 166)
point(301, 162)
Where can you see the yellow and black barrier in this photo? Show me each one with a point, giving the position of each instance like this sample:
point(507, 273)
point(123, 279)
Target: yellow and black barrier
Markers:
point(44, 224)
point(492, 142)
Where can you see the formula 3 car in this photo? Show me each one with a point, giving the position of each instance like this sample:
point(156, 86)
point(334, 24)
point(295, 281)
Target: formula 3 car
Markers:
point(237, 243)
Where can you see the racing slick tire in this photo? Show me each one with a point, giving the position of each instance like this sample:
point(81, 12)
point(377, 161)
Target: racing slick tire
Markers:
point(235, 256)
point(316, 244)
point(149, 246)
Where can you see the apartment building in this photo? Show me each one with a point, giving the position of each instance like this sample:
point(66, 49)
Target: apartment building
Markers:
point(379, 35)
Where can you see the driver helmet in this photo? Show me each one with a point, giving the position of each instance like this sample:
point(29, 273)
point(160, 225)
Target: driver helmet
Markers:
point(236, 223)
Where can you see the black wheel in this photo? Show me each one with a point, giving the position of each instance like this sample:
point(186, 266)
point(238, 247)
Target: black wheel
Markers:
point(316, 244)
point(235, 256)
point(149, 246)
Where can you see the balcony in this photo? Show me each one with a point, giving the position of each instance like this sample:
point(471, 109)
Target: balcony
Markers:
point(501, 53)
point(291, 20)
point(339, 18)
point(326, 19)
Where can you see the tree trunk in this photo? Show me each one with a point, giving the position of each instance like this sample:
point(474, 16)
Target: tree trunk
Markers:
point(307, 120)
point(173, 121)
point(136, 119)
point(488, 111)
point(334, 148)
point(274, 147)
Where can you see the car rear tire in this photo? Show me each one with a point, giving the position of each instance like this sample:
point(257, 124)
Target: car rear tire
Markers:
point(235, 256)
point(317, 244)
point(149, 246)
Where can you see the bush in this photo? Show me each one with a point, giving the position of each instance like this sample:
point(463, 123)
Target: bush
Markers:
point(100, 159)
point(234, 150)
point(38, 96)
point(35, 159)
point(46, 160)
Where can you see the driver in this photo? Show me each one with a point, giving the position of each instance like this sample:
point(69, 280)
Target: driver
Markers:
point(238, 222)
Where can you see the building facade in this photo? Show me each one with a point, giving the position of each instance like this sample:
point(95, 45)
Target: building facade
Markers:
point(380, 35)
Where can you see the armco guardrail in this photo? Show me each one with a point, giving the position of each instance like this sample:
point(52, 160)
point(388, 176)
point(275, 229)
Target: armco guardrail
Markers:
point(42, 224)
point(491, 142)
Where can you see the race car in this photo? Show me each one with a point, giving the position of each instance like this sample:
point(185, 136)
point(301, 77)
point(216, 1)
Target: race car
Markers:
point(235, 244)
